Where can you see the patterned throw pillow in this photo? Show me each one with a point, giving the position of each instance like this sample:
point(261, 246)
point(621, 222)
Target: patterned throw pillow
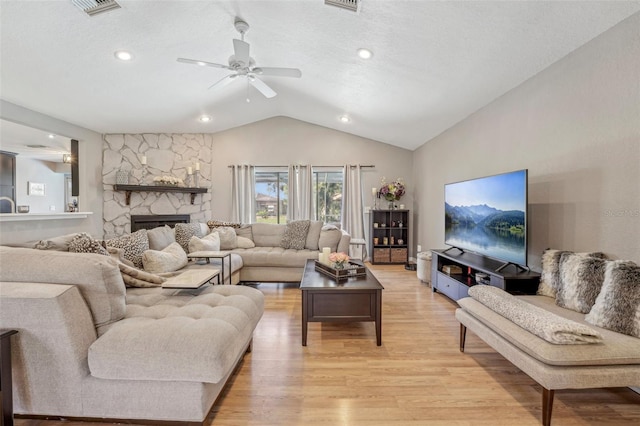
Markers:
point(210, 242)
point(83, 243)
point(581, 279)
point(184, 232)
point(550, 278)
point(295, 234)
point(133, 245)
point(617, 306)
point(212, 224)
point(170, 259)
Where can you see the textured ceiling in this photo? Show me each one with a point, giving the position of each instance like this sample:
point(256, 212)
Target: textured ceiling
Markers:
point(434, 63)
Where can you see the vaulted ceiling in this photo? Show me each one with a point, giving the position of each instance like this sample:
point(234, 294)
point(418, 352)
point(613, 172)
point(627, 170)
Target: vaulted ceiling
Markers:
point(434, 62)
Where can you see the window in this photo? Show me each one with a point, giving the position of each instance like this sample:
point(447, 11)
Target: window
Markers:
point(271, 195)
point(328, 194)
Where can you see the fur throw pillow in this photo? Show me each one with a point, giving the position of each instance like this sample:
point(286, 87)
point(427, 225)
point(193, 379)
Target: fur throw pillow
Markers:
point(617, 306)
point(581, 279)
point(550, 278)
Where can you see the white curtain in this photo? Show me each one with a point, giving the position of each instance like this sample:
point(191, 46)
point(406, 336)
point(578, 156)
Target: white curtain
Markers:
point(352, 217)
point(300, 195)
point(243, 193)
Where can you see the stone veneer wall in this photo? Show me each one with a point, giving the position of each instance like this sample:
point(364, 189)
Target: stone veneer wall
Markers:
point(167, 154)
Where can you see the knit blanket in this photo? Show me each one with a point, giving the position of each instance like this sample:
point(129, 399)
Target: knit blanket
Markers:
point(544, 324)
point(134, 277)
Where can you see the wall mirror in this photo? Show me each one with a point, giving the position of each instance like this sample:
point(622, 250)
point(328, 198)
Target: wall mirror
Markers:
point(36, 170)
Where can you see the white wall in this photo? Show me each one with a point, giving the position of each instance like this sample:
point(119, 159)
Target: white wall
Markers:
point(90, 198)
point(31, 170)
point(576, 127)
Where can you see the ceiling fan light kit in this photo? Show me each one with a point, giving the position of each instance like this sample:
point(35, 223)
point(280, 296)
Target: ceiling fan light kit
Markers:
point(242, 65)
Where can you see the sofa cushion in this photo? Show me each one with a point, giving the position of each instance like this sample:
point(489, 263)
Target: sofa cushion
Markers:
point(315, 226)
point(160, 237)
point(267, 234)
point(617, 307)
point(178, 335)
point(83, 243)
point(295, 234)
point(133, 245)
point(617, 348)
point(550, 277)
point(170, 259)
point(184, 232)
point(210, 242)
point(227, 237)
point(97, 277)
point(275, 257)
point(581, 279)
point(329, 237)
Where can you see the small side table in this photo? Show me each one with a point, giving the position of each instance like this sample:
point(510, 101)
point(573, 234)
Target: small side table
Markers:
point(363, 246)
point(5, 376)
point(207, 255)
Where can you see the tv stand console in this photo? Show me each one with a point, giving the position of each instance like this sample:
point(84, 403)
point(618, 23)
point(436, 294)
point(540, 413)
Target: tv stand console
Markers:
point(456, 285)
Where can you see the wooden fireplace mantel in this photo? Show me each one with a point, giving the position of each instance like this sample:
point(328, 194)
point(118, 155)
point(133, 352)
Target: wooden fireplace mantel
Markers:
point(128, 189)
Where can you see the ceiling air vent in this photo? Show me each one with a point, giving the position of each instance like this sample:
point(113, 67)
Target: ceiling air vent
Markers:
point(93, 7)
point(345, 4)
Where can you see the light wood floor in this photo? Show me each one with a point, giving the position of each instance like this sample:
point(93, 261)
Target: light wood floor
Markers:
point(417, 377)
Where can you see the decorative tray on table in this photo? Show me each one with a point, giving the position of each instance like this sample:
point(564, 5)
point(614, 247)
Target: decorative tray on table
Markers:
point(352, 269)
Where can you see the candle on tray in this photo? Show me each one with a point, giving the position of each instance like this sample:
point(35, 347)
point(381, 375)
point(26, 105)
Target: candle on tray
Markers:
point(143, 160)
point(326, 251)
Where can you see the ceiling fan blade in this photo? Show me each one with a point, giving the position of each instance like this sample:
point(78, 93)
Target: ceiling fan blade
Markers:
point(278, 72)
point(202, 63)
point(262, 87)
point(241, 51)
point(224, 81)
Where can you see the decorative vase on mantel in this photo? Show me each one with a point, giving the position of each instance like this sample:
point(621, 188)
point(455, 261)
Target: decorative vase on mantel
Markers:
point(391, 207)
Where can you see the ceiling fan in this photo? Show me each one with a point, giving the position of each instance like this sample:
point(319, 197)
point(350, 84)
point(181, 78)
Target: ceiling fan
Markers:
point(243, 66)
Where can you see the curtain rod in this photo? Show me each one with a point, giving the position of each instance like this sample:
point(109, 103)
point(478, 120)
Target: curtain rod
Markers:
point(335, 167)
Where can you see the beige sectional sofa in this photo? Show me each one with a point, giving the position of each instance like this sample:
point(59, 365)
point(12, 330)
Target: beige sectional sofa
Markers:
point(88, 347)
point(583, 354)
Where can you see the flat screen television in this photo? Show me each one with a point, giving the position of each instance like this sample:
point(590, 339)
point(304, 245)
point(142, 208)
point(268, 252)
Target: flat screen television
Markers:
point(488, 216)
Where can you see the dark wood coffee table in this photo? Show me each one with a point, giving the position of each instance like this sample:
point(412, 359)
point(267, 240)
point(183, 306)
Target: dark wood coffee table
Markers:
point(352, 300)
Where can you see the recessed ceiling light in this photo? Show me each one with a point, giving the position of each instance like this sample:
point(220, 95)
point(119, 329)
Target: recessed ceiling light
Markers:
point(123, 55)
point(365, 53)
point(51, 136)
point(345, 119)
point(202, 64)
point(205, 118)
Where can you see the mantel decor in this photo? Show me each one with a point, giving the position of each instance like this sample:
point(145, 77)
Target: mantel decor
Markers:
point(128, 189)
point(352, 269)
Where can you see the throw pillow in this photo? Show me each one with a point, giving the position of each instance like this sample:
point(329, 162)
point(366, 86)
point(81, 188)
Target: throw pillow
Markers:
point(210, 242)
point(550, 277)
point(295, 235)
point(617, 306)
point(170, 259)
point(133, 245)
point(228, 237)
point(118, 254)
point(581, 279)
point(56, 243)
point(184, 232)
point(161, 237)
point(329, 237)
point(212, 224)
point(245, 231)
point(83, 243)
point(315, 226)
point(245, 243)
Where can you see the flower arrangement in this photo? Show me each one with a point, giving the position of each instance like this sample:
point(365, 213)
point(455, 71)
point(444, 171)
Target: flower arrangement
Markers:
point(167, 180)
point(338, 259)
point(392, 191)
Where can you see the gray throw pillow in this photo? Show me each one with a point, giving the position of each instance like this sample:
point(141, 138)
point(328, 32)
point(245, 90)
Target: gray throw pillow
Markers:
point(210, 242)
point(315, 226)
point(329, 237)
point(617, 306)
point(133, 245)
point(161, 237)
point(295, 235)
point(550, 278)
point(581, 279)
point(245, 232)
point(184, 232)
point(170, 259)
point(228, 238)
